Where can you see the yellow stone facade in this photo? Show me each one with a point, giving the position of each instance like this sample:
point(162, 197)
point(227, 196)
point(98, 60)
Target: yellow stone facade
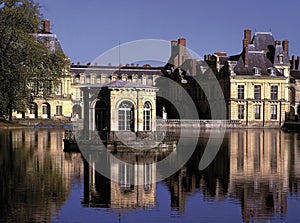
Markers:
point(265, 102)
point(58, 106)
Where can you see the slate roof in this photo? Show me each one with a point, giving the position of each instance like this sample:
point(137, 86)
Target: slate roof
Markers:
point(50, 40)
point(99, 70)
point(262, 41)
point(125, 84)
point(119, 84)
point(258, 60)
point(262, 54)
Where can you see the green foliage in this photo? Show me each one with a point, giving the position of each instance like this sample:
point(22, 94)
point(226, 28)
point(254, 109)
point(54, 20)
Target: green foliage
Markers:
point(22, 57)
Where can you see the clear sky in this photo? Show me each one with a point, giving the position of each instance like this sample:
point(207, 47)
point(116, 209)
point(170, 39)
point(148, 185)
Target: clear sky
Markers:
point(88, 28)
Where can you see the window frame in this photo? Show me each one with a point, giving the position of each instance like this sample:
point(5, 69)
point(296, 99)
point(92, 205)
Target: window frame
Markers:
point(273, 92)
point(257, 95)
point(241, 92)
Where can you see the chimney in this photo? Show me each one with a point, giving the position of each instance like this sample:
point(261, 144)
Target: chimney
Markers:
point(247, 37)
point(246, 56)
point(174, 48)
point(221, 54)
point(182, 42)
point(181, 51)
point(285, 45)
point(293, 63)
point(246, 41)
point(277, 42)
point(46, 26)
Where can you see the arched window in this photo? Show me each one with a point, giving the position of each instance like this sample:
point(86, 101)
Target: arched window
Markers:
point(126, 116)
point(147, 117)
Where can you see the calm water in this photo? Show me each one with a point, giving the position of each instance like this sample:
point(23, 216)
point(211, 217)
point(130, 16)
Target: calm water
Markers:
point(254, 178)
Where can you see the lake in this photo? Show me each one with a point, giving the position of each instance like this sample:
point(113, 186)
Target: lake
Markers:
point(255, 177)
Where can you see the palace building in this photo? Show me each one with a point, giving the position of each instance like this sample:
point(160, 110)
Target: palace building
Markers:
point(259, 81)
point(259, 86)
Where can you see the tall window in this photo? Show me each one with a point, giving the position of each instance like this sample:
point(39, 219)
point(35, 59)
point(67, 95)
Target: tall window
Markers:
point(58, 110)
point(147, 177)
point(274, 92)
point(58, 89)
point(45, 109)
point(257, 111)
point(273, 111)
point(126, 176)
point(147, 117)
point(257, 91)
point(126, 116)
point(240, 111)
point(241, 89)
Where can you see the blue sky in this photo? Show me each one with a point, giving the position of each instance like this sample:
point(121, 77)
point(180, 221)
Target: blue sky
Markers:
point(88, 28)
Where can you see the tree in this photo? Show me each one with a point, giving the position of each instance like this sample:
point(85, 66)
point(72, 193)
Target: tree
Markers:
point(22, 57)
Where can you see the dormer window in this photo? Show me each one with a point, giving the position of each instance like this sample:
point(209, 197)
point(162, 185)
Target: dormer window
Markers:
point(280, 58)
point(272, 71)
point(257, 71)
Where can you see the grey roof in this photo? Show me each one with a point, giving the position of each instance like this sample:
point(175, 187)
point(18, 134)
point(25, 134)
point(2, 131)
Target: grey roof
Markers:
point(50, 40)
point(79, 69)
point(117, 84)
point(279, 51)
point(262, 54)
point(263, 41)
point(258, 60)
point(125, 84)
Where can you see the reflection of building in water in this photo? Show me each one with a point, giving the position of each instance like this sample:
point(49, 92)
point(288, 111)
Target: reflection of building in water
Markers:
point(36, 175)
point(259, 172)
point(294, 164)
point(134, 184)
point(213, 181)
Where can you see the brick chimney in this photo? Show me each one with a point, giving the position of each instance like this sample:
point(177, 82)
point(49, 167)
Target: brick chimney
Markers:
point(182, 42)
point(246, 41)
point(181, 51)
point(46, 26)
point(221, 54)
point(293, 62)
point(285, 45)
point(247, 37)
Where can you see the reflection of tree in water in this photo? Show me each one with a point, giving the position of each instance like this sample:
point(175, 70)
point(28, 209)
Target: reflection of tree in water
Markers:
point(32, 189)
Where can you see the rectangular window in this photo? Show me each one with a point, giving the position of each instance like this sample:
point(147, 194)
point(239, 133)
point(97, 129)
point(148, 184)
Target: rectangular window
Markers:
point(240, 111)
point(45, 109)
point(58, 110)
point(257, 111)
point(241, 91)
point(274, 92)
point(274, 112)
point(126, 176)
point(58, 89)
point(257, 92)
